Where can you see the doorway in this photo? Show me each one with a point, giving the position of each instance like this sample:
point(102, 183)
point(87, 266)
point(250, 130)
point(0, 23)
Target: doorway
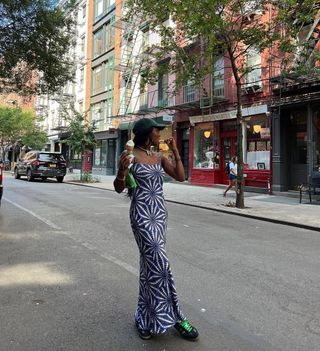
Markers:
point(111, 156)
point(228, 150)
point(297, 154)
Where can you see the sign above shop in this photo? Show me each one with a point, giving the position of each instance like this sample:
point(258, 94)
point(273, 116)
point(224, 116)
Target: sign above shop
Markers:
point(167, 118)
point(249, 111)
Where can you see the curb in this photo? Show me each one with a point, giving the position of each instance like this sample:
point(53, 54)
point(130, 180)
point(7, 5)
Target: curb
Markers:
point(246, 215)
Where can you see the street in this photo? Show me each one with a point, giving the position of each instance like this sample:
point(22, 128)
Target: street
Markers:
point(69, 275)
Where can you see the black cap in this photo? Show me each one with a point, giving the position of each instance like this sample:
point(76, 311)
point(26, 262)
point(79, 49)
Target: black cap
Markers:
point(144, 124)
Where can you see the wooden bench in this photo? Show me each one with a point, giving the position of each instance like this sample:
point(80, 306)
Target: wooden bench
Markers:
point(313, 188)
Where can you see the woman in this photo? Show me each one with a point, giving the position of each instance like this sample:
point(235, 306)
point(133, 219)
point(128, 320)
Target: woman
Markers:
point(233, 170)
point(158, 305)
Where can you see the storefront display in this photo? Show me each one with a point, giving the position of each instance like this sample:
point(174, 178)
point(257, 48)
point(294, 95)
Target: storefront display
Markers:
point(257, 155)
point(206, 146)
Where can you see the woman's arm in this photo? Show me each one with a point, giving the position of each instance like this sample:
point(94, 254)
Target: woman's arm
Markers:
point(120, 182)
point(176, 172)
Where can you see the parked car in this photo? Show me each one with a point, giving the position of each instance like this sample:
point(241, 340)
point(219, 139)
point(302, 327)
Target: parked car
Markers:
point(41, 164)
point(1, 178)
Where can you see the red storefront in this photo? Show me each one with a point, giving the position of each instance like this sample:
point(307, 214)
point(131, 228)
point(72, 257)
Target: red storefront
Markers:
point(213, 142)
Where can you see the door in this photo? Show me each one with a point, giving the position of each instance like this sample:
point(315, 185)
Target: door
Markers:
point(111, 157)
point(298, 148)
point(185, 157)
point(228, 150)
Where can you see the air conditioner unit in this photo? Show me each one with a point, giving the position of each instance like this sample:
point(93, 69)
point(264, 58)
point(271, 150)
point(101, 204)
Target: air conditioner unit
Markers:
point(252, 87)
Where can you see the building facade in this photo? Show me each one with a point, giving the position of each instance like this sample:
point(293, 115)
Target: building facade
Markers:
point(58, 108)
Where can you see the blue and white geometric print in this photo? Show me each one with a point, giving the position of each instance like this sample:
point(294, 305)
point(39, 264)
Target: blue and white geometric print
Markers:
point(158, 305)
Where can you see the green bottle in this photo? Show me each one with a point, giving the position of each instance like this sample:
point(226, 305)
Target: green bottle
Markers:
point(131, 182)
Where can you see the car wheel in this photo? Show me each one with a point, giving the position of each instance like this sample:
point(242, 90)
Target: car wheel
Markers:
point(16, 174)
point(44, 178)
point(29, 175)
point(60, 179)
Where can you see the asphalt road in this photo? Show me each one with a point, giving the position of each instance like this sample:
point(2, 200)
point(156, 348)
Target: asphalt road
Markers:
point(69, 266)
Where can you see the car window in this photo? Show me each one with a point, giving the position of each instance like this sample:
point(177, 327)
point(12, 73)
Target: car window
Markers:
point(50, 157)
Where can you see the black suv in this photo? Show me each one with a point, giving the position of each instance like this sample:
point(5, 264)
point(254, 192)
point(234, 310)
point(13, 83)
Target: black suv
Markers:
point(41, 164)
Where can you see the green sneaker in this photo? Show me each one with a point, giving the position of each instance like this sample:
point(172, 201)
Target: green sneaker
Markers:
point(186, 330)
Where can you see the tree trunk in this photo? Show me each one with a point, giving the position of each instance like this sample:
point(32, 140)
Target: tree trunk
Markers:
point(81, 167)
point(240, 179)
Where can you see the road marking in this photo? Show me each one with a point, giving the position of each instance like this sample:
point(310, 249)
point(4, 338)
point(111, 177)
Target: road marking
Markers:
point(44, 220)
point(118, 262)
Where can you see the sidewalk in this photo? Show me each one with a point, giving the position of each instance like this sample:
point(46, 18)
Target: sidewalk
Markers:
point(275, 208)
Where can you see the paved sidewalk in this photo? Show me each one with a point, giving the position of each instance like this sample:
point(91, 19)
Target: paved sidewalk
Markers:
point(275, 208)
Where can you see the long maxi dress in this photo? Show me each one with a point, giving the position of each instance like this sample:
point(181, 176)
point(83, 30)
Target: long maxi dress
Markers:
point(158, 306)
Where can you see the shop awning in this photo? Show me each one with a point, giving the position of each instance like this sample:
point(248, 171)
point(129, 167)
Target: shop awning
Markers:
point(126, 125)
point(246, 112)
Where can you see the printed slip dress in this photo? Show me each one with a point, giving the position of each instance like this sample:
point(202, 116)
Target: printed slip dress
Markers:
point(158, 306)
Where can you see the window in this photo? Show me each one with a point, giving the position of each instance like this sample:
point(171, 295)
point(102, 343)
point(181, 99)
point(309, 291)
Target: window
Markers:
point(102, 7)
point(189, 92)
point(82, 46)
point(96, 112)
point(81, 83)
point(143, 90)
point(253, 76)
point(145, 39)
point(98, 43)
point(81, 107)
point(97, 80)
point(98, 9)
point(163, 90)
point(258, 143)
point(110, 34)
point(109, 75)
point(218, 78)
point(206, 146)
point(108, 111)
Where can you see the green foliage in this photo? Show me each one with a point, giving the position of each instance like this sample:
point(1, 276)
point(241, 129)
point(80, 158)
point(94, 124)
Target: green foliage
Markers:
point(34, 139)
point(219, 27)
point(34, 37)
point(81, 135)
point(18, 125)
point(209, 29)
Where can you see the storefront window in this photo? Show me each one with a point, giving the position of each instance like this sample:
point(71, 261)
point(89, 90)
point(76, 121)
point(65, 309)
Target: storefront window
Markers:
point(258, 143)
point(316, 140)
point(100, 154)
point(97, 154)
point(206, 146)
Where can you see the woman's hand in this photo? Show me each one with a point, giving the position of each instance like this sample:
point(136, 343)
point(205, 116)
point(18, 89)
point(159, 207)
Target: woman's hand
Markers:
point(172, 144)
point(124, 162)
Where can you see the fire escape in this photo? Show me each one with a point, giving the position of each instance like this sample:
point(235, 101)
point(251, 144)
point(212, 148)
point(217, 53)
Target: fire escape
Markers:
point(292, 86)
point(132, 61)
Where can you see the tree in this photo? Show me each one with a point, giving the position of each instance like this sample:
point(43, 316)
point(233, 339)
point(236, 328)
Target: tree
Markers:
point(215, 28)
point(18, 126)
point(81, 135)
point(35, 35)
